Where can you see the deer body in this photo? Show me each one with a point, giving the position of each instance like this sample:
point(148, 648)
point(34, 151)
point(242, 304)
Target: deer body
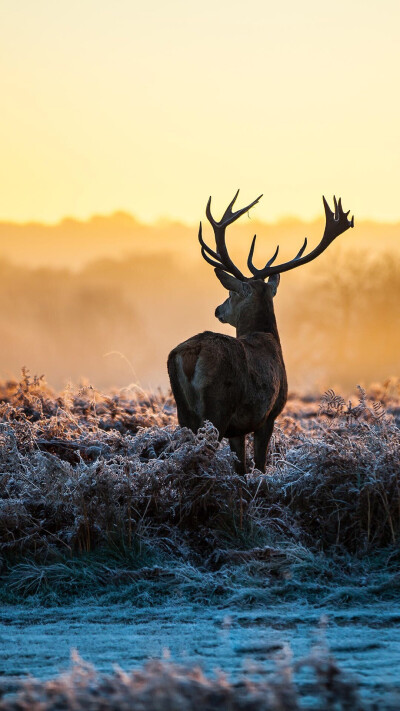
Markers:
point(239, 384)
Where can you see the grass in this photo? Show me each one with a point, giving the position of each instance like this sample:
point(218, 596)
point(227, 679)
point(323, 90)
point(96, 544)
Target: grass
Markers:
point(162, 685)
point(105, 495)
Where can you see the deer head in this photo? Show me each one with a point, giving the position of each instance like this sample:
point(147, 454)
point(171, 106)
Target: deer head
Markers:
point(244, 297)
point(250, 298)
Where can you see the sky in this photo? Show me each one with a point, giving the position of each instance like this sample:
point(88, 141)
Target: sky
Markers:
point(150, 107)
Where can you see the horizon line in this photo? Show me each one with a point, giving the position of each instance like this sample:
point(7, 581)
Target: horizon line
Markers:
point(166, 219)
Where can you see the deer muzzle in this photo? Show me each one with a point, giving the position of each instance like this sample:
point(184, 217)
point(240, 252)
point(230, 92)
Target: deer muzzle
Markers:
point(219, 313)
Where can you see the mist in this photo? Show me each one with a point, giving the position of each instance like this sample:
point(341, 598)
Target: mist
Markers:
point(109, 317)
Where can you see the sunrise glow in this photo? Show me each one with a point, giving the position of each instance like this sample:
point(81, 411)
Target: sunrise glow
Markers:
point(150, 107)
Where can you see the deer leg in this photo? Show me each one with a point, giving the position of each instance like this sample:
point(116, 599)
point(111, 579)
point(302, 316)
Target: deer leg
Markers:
point(210, 408)
point(238, 446)
point(187, 414)
point(186, 418)
point(261, 442)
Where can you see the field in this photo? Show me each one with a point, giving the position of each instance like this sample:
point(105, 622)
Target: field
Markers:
point(138, 569)
point(104, 498)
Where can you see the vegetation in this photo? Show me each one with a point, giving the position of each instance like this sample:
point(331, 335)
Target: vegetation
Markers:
point(161, 685)
point(106, 495)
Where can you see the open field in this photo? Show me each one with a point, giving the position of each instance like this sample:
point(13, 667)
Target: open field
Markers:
point(313, 681)
point(108, 508)
point(302, 651)
point(104, 492)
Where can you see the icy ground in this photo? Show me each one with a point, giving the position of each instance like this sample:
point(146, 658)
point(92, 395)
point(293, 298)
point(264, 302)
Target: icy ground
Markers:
point(364, 640)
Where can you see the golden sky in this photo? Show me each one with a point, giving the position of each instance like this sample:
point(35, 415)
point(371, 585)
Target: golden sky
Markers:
point(149, 107)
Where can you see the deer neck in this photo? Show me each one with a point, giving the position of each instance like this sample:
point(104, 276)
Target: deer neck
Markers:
point(261, 319)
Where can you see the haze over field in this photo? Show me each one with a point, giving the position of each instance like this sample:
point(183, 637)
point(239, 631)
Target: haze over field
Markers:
point(105, 300)
point(73, 243)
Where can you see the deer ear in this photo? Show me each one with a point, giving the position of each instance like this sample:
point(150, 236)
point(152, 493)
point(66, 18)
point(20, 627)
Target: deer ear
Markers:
point(273, 283)
point(231, 283)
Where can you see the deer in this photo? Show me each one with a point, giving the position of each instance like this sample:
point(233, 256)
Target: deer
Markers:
point(239, 383)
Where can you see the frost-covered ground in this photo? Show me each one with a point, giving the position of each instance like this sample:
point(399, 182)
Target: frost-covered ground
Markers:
point(123, 535)
point(255, 645)
point(364, 640)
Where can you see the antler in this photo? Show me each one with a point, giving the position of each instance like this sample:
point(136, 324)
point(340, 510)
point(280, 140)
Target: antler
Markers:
point(221, 258)
point(336, 223)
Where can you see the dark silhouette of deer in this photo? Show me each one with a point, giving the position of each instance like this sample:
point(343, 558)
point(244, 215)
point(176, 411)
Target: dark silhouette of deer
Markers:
point(240, 384)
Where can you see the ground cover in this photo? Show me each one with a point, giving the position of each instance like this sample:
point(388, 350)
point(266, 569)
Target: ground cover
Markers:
point(105, 496)
point(161, 685)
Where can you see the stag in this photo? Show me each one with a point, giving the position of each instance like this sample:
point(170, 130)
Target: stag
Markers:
point(240, 384)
